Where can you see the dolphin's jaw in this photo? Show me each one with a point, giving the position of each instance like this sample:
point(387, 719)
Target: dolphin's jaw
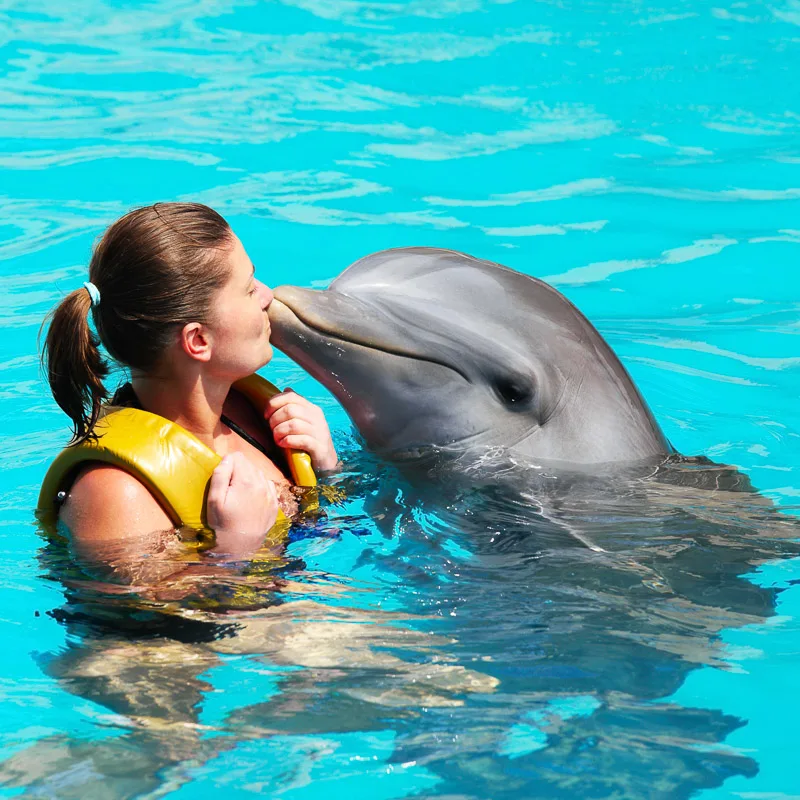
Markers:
point(328, 357)
point(312, 345)
point(328, 329)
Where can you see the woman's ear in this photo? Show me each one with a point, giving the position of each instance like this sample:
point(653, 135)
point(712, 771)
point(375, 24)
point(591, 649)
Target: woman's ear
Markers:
point(196, 341)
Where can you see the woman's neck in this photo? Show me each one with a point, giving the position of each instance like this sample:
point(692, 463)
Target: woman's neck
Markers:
point(193, 402)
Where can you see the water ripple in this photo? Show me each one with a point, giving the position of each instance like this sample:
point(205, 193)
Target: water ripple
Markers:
point(600, 271)
point(643, 157)
point(45, 159)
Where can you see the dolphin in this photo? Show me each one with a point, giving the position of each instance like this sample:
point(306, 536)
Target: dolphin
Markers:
point(426, 347)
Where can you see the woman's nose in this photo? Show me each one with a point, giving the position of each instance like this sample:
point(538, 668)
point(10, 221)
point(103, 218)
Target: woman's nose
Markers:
point(266, 295)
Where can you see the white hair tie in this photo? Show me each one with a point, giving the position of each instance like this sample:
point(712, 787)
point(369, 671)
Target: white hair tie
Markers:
point(94, 293)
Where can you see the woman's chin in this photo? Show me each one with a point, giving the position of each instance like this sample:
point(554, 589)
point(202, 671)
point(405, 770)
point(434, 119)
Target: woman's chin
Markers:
point(268, 355)
point(264, 357)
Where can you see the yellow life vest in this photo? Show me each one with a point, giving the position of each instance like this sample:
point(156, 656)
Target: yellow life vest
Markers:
point(171, 462)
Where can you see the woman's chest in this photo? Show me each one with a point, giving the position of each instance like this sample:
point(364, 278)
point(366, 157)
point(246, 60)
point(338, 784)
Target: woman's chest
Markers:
point(245, 433)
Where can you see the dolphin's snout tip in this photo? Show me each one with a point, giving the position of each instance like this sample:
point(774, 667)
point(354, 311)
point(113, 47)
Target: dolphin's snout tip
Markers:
point(278, 312)
point(293, 297)
point(279, 292)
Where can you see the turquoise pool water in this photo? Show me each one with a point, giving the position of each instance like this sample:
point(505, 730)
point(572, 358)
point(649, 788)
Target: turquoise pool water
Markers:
point(643, 158)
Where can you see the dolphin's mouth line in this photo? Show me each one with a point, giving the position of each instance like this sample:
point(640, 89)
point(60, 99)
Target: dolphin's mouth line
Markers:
point(372, 345)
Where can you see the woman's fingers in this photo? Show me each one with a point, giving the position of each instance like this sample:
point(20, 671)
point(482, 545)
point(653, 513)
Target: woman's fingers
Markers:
point(297, 434)
point(244, 475)
point(287, 412)
point(298, 424)
point(303, 442)
point(242, 506)
point(288, 404)
point(218, 489)
point(292, 426)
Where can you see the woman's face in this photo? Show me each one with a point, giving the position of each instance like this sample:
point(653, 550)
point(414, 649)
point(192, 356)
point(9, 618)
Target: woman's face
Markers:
point(239, 325)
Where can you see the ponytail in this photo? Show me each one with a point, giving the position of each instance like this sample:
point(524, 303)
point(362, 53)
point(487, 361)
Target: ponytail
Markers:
point(75, 368)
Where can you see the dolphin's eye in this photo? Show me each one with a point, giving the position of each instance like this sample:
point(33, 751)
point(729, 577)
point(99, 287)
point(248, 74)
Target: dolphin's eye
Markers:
point(514, 393)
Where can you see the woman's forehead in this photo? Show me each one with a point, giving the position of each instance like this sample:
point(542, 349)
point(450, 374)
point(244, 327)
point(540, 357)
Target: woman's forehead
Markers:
point(239, 260)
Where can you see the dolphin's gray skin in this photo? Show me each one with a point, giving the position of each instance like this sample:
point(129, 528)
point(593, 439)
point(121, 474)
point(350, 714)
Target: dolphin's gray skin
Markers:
point(425, 347)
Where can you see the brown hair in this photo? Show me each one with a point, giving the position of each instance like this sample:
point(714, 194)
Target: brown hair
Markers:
point(156, 269)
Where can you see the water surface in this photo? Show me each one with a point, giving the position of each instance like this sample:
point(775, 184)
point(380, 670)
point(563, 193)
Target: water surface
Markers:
point(433, 643)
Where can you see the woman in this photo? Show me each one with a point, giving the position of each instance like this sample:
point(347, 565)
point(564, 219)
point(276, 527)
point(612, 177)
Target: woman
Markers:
point(174, 299)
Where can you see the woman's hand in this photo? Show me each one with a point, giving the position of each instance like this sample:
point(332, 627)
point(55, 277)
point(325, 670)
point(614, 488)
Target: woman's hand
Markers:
point(298, 424)
point(242, 506)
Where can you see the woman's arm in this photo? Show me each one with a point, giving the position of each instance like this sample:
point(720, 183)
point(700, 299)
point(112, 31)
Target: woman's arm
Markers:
point(119, 531)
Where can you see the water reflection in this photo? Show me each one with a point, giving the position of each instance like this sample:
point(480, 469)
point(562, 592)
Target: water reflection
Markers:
point(143, 647)
point(535, 638)
point(613, 589)
point(475, 633)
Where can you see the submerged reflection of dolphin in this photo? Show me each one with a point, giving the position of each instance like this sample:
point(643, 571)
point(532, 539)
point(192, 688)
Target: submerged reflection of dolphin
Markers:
point(587, 645)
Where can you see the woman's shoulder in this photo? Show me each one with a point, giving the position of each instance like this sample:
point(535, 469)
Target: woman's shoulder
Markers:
point(107, 502)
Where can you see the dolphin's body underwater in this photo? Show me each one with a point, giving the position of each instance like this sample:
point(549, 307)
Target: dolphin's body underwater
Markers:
point(428, 347)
